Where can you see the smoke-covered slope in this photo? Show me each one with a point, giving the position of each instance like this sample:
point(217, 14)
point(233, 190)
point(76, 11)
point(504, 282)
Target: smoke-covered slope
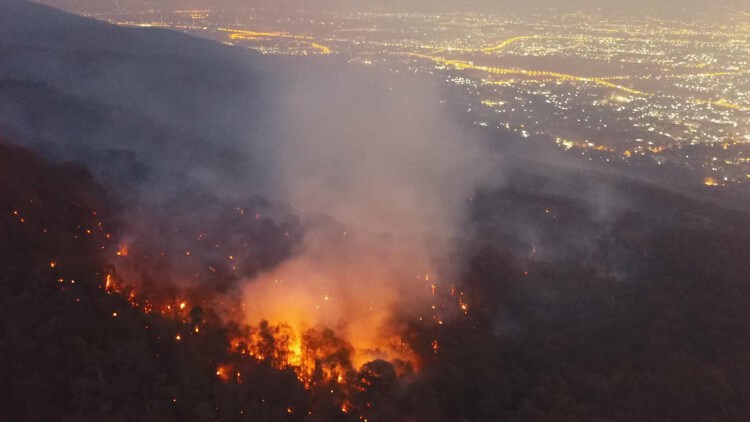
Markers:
point(582, 313)
point(170, 123)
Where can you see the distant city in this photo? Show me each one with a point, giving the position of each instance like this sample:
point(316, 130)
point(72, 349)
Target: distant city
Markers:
point(624, 90)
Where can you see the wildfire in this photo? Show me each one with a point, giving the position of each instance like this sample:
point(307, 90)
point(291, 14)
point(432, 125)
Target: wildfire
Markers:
point(321, 358)
point(294, 340)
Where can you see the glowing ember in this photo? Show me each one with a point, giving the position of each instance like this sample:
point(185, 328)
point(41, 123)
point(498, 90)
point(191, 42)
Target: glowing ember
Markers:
point(223, 373)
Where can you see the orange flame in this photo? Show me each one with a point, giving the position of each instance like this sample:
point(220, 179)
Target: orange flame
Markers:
point(123, 251)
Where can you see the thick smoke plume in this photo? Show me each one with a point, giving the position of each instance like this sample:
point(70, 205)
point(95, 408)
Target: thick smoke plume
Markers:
point(381, 178)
